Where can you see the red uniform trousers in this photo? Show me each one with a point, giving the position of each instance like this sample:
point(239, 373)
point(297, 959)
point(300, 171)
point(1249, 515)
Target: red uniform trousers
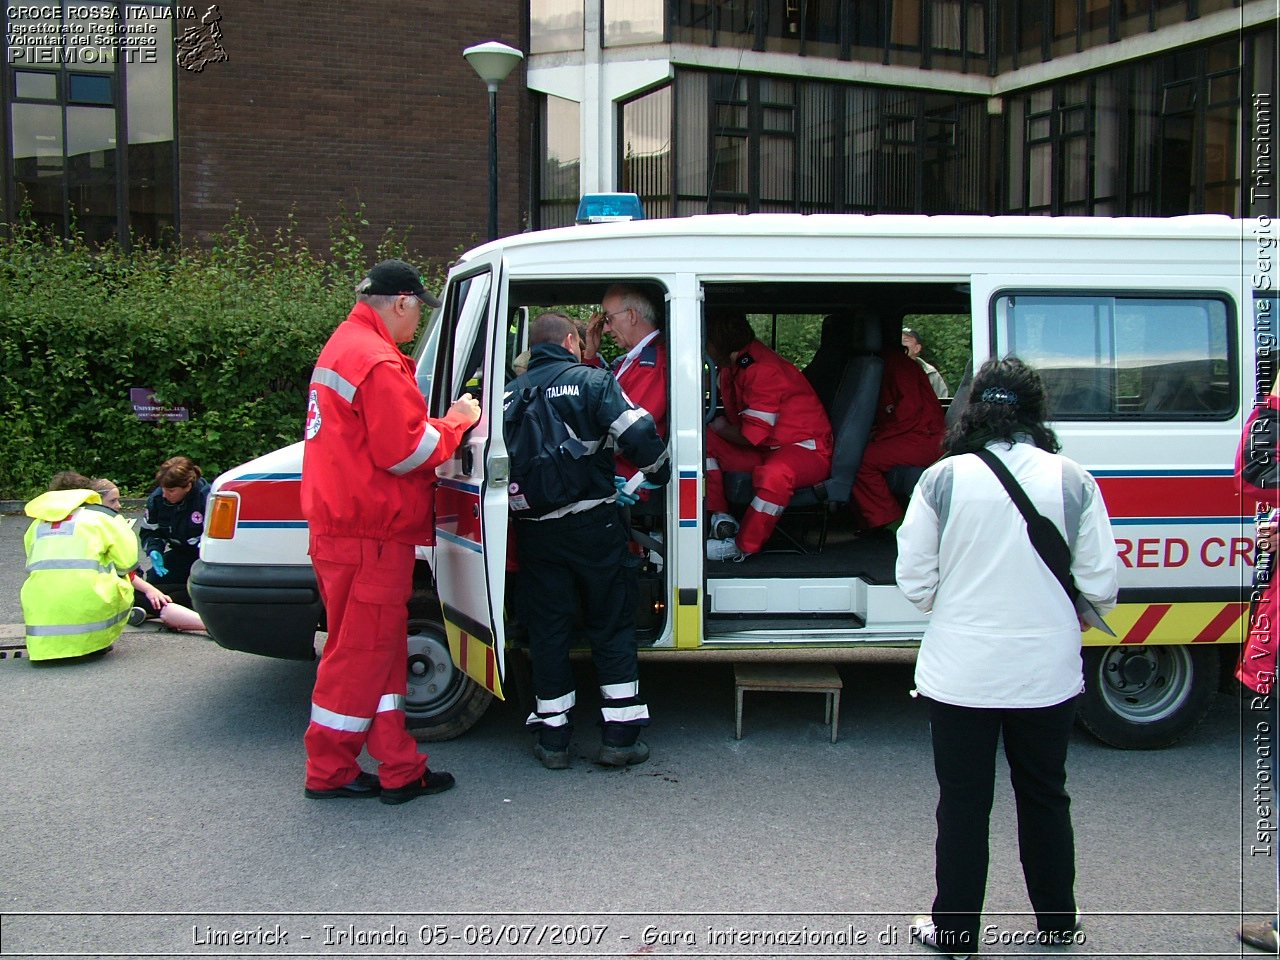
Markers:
point(775, 475)
point(871, 493)
point(360, 685)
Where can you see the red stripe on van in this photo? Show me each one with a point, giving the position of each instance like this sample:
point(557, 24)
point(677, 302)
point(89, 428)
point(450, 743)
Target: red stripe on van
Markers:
point(688, 498)
point(267, 499)
point(1151, 616)
point(1220, 624)
point(1172, 496)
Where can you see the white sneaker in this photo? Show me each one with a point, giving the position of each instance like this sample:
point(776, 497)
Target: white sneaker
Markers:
point(723, 526)
point(726, 549)
point(923, 929)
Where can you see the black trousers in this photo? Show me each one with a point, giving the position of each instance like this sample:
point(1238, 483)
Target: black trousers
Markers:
point(964, 758)
point(580, 562)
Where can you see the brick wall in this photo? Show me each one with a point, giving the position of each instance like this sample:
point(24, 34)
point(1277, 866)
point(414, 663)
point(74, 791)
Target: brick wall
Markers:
point(322, 104)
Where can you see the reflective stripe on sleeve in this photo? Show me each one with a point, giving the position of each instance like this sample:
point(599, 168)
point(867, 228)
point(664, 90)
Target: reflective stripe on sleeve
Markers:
point(666, 454)
point(764, 506)
point(770, 418)
point(426, 446)
point(339, 721)
point(390, 701)
point(625, 420)
point(68, 565)
point(713, 463)
point(71, 629)
point(335, 382)
point(807, 444)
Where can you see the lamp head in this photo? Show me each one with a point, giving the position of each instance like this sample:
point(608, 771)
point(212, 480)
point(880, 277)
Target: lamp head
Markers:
point(492, 61)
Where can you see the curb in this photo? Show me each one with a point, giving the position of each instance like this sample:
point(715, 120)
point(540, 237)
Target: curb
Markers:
point(129, 505)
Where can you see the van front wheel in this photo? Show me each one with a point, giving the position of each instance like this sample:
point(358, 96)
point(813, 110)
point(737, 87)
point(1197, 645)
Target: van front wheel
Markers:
point(1146, 697)
point(441, 702)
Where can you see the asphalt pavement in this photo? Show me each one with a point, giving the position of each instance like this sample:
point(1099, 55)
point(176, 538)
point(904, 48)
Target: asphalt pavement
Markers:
point(153, 807)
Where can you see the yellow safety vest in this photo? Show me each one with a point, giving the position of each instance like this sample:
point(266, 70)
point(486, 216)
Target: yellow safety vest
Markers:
point(77, 594)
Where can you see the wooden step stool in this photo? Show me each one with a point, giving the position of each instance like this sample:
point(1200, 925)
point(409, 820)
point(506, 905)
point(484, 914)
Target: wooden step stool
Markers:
point(788, 678)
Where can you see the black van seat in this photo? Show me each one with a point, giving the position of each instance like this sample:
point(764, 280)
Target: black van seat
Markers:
point(902, 480)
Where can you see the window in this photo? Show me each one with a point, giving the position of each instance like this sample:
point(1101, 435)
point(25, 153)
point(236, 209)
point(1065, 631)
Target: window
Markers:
point(555, 25)
point(561, 162)
point(632, 22)
point(1132, 357)
point(74, 163)
point(645, 169)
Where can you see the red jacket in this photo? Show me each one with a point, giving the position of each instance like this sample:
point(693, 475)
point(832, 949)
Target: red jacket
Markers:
point(771, 402)
point(644, 381)
point(368, 465)
point(1255, 465)
point(907, 403)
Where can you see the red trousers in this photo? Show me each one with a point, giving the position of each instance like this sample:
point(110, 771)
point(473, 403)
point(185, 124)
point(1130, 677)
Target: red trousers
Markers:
point(871, 493)
point(360, 685)
point(775, 475)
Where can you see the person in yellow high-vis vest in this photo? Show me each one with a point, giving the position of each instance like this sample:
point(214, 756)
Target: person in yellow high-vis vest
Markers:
point(77, 595)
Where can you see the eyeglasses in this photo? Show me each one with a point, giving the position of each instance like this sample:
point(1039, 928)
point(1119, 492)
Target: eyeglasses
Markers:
point(608, 317)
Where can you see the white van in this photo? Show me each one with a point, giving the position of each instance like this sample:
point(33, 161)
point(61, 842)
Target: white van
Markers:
point(1142, 329)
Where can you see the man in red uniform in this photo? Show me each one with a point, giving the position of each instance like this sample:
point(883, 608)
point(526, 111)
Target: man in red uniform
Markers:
point(773, 426)
point(368, 477)
point(907, 433)
point(641, 369)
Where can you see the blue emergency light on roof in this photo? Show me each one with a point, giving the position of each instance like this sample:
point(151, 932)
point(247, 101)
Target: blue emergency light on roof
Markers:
point(607, 207)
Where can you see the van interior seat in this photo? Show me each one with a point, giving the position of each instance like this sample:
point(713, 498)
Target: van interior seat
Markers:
point(852, 413)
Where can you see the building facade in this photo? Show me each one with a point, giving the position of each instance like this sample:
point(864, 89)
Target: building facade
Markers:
point(1137, 107)
point(158, 120)
point(155, 120)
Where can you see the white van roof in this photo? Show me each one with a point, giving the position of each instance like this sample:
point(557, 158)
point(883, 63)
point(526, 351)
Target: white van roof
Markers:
point(750, 242)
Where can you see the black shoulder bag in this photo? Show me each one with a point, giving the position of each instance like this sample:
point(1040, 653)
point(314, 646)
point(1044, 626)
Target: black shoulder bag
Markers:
point(1048, 542)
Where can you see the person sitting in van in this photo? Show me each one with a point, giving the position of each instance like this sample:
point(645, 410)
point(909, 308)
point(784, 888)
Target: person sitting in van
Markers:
point(773, 426)
point(907, 433)
point(914, 346)
point(641, 369)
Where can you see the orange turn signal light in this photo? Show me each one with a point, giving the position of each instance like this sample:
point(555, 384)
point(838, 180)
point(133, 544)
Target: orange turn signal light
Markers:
point(223, 510)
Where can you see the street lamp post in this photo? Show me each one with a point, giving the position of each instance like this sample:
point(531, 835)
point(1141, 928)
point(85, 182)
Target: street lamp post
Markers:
point(493, 61)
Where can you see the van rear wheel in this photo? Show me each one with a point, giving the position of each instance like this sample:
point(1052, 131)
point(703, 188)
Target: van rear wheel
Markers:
point(441, 702)
point(1146, 697)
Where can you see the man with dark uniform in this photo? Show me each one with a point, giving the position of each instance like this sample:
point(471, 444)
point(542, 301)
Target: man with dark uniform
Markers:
point(574, 555)
point(368, 479)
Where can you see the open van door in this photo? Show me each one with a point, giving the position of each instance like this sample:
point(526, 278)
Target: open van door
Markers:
point(471, 499)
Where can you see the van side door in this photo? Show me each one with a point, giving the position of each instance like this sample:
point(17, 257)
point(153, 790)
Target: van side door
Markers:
point(471, 497)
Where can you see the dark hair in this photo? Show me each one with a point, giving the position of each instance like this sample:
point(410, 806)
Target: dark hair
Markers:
point(69, 480)
point(729, 330)
point(908, 332)
point(550, 327)
point(1007, 398)
point(177, 472)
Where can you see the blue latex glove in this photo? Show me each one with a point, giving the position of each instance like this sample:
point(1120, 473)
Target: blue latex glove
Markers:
point(157, 563)
point(630, 499)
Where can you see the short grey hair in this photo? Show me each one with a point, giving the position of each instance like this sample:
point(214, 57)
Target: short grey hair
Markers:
point(633, 298)
point(379, 301)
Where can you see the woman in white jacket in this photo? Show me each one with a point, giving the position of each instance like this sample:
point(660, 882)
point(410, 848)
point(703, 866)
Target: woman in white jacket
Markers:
point(1001, 654)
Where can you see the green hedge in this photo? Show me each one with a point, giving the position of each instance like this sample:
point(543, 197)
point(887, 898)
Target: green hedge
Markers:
point(230, 332)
